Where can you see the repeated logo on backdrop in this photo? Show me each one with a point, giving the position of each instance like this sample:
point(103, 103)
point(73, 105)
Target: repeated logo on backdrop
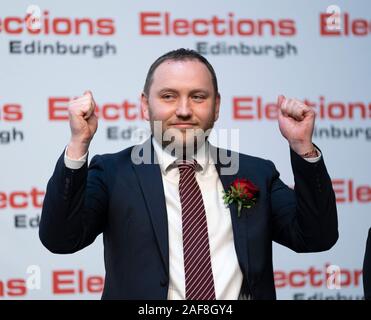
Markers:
point(11, 117)
point(49, 37)
point(336, 113)
point(40, 27)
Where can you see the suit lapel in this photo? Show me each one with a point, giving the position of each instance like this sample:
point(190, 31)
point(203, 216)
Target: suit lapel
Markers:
point(150, 180)
point(238, 224)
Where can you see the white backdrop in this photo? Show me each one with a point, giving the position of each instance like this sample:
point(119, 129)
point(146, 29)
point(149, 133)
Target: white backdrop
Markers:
point(286, 48)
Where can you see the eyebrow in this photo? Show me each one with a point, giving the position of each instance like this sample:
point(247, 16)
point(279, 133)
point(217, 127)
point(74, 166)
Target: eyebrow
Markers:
point(204, 91)
point(163, 90)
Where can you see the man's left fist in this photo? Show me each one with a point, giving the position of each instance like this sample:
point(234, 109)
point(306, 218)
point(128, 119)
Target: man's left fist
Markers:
point(296, 123)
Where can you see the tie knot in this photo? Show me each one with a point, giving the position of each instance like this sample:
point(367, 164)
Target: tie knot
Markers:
point(186, 165)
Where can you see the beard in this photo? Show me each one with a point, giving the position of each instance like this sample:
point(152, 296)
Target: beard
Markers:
point(182, 143)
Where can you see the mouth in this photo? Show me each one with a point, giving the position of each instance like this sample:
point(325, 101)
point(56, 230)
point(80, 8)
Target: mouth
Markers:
point(183, 125)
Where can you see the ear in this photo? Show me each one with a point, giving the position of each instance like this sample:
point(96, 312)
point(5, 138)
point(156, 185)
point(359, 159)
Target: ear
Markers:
point(144, 106)
point(217, 106)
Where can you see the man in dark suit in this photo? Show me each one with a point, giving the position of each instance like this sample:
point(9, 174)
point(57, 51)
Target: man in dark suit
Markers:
point(167, 231)
point(367, 268)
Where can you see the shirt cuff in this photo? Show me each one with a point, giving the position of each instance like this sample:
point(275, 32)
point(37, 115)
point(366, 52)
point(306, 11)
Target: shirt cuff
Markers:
point(72, 163)
point(316, 159)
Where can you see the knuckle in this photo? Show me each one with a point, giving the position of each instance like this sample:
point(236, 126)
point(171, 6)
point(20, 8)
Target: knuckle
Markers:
point(284, 105)
point(71, 108)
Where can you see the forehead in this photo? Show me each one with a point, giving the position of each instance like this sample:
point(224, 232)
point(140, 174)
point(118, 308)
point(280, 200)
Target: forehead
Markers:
point(187, 74)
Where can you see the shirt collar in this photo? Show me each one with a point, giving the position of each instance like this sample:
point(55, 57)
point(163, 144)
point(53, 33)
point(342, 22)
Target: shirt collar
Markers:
point(167, 161)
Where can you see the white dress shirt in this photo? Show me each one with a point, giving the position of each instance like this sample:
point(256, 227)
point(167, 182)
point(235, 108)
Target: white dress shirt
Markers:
point(226, 270)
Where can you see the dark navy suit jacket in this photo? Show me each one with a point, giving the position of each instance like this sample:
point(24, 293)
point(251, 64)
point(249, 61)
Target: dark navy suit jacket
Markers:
point(367, 268)
point(126, 202)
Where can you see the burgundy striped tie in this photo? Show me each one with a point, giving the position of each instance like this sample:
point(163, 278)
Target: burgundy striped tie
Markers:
point(199, 282)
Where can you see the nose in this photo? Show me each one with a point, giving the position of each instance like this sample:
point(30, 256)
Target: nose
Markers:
point(183, 110)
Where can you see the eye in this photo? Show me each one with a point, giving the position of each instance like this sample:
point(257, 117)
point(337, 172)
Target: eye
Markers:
point(198, 98)
point(168, 96)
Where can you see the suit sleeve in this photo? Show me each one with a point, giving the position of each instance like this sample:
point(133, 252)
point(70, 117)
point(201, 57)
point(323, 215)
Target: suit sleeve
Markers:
point(74, 208)
point(367, 268)
point(304, 219)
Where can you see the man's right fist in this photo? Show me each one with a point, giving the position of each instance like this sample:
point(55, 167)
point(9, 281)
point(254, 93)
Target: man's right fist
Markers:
point(83, 123)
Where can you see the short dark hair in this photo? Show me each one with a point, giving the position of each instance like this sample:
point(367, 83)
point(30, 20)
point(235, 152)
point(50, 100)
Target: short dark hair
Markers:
point(180, 55)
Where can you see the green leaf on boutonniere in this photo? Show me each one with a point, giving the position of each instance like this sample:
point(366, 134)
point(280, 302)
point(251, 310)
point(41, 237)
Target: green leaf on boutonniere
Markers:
point(242, 192)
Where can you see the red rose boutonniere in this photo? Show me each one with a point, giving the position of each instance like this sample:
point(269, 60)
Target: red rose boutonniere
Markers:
point(243, 192)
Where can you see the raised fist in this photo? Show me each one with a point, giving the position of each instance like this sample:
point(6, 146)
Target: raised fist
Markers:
point(83, 123)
